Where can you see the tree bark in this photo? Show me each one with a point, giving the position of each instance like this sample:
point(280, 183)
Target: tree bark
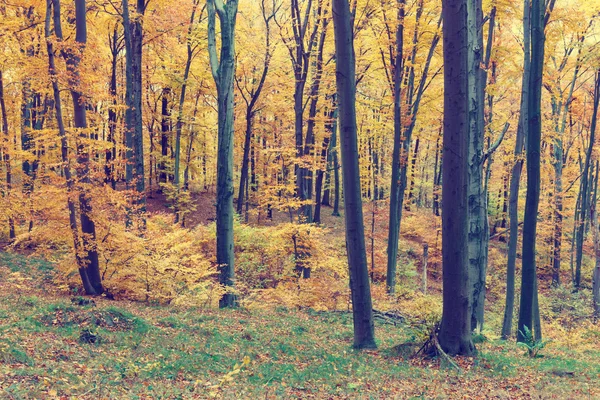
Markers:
point(515, 179)
point(6, 159)
point(398, 158)
point(455, 328)
point(134, 135)
point(528, 270)
point(90, 285)
point(223, 70)
point(362, 310)
point(585, 192)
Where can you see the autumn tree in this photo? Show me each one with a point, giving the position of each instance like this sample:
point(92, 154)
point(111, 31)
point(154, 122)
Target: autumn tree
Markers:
point(455, 329)
point(364, 331)
point(223, 70)
point(528, 270)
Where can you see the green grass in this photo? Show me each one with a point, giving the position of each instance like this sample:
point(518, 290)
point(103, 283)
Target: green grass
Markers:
point(170, 353)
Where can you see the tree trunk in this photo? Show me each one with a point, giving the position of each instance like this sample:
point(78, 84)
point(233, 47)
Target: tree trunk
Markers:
point(330, 127)
point(6, 159)
point(223, 70)
point(515, 179)
point(398, 158)
point(53, 14)
point(596, 233)
point(476, 197)
point(88, 228)
point(165, 128)
point(111, 154)
point(186, 73)
point(455, 328)
point(364, 331)
point(528, 270)
point(585, 192)
point(134, 138)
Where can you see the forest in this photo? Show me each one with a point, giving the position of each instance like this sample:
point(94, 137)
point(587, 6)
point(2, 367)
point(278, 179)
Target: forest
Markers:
point(326, 199)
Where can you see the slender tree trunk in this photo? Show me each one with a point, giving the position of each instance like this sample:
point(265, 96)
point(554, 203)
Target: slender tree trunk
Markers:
point(330, 127)
point(251, 100)
point(455, 328)
point(336, 171)
point(6, 159)
point(596, 274)
point(134, 135)
point(515, 179)
point(179, 124)
point(585, 191)
point(53, 14)
point(398, 158)
point(364, 331)
point(165, 128)
point(88, 227)
point(111, 154)
point(528, 270)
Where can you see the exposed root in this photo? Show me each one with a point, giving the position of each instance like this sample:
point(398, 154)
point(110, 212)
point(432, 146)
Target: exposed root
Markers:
point(432, 348)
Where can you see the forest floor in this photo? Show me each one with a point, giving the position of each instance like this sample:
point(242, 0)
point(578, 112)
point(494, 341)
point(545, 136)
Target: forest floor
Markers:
point(53, 346)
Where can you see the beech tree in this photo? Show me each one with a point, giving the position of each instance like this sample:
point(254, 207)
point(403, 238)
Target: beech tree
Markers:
point(86, 251)
point(223, 70)
point(534, 132)
point(362, 311)
point(455, 328)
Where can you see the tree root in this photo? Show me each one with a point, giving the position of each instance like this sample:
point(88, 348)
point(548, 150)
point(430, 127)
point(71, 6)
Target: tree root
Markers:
point(432, 348)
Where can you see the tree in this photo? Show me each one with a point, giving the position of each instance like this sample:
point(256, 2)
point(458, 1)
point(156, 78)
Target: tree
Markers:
point(455, 329)
point(86, 252)
point(515, 179)
point(364, 331)
point(223, 71)
point(585, 189)
point(528, 270)
point(398, 156)
point(6, 157)
point(251, 97)
point(134, 134)
point(411, 96)
point(301, 48)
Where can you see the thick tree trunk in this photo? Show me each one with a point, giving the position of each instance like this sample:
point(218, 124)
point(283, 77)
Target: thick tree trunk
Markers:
point(477, 197)
point(455, 329)
point(364, 331)
point(223, 70)
point(528, 270)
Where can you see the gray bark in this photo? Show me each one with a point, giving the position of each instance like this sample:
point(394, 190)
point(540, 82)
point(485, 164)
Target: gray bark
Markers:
point(223, 71)
point(364, 332)
point(455, 328)
point(528, 270)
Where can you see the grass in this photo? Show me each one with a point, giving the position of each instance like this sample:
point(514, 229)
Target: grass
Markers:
point(170, 353)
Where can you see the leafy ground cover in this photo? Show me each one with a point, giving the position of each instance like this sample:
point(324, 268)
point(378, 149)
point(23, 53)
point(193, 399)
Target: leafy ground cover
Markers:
point(56, 346)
